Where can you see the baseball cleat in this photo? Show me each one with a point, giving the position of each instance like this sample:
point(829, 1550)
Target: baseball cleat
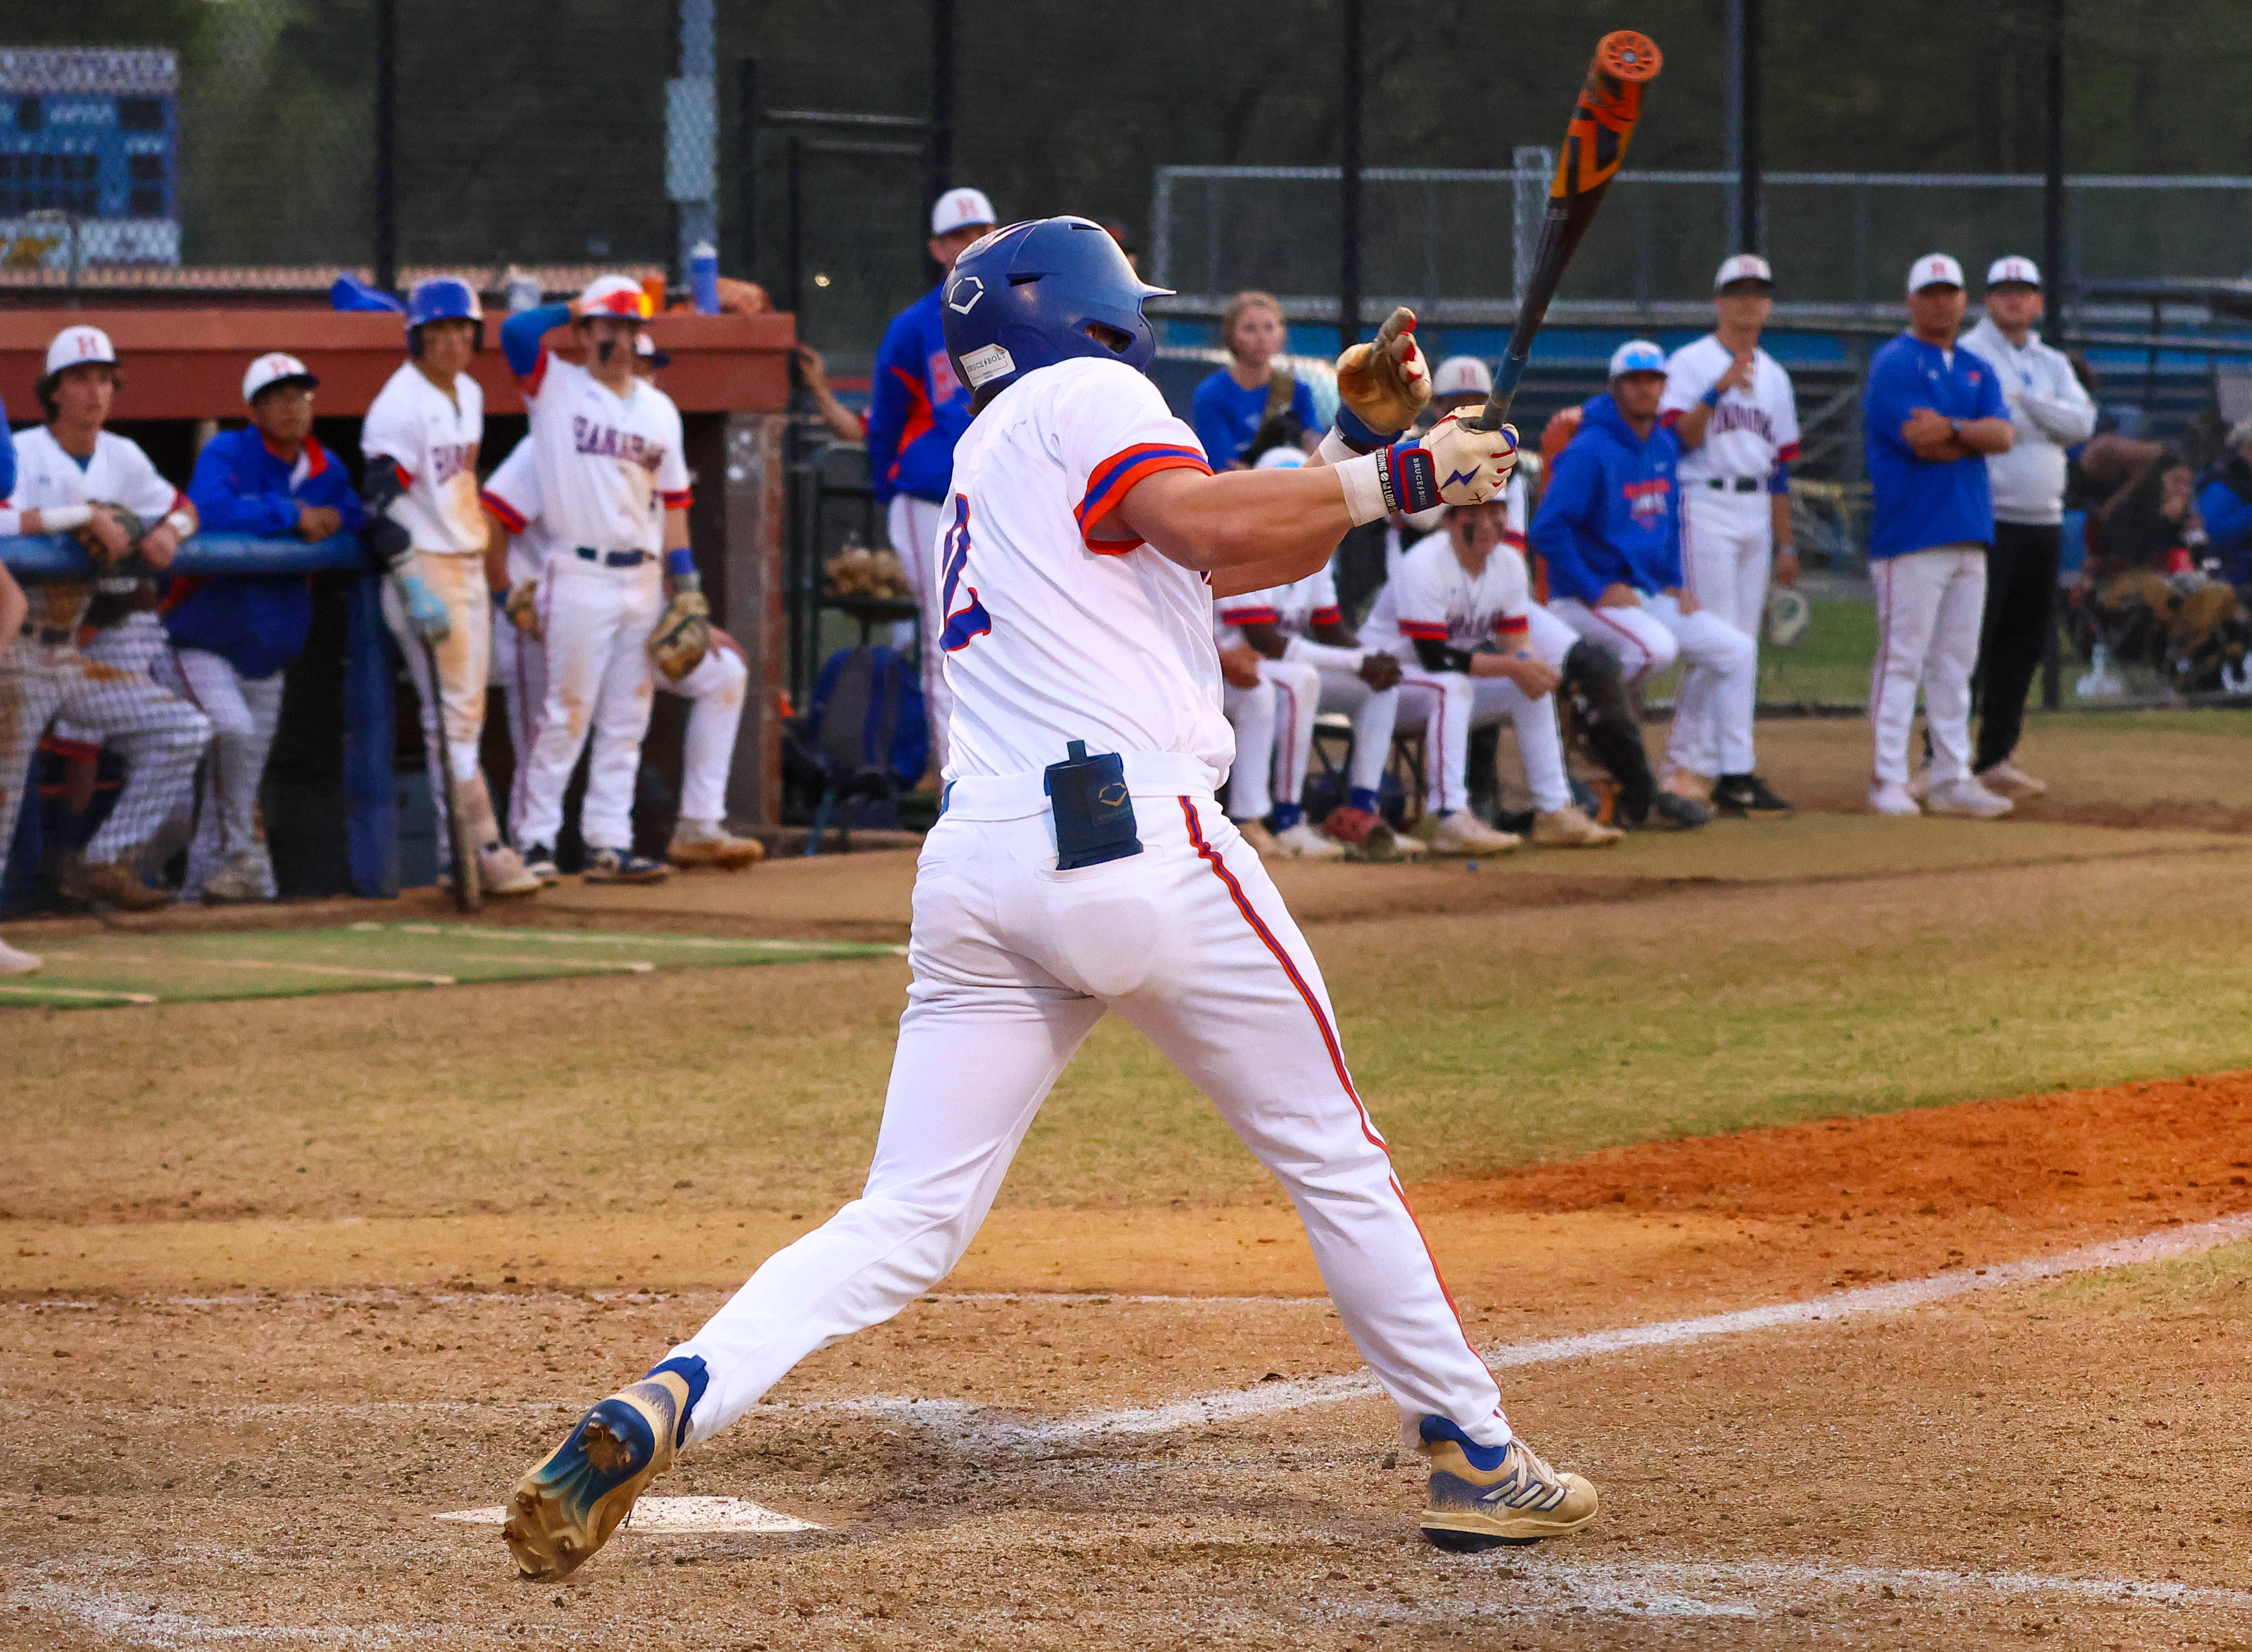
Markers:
point(13, 963)
point(92, 883)
point(1685, 813)
point(567, 1507)
point(623, 866)
point(1260, 841)
point(2006, 778)
point(1746, 794)
point(1464, 833)
point(240, 879)
point(1893, 798)
point(1305, 844)
point(1966, 796)
point(501, 872)
point(1686, 783)
point(1568, 827)
point(540, 861)
point(707, 843)
point(1482, 1497)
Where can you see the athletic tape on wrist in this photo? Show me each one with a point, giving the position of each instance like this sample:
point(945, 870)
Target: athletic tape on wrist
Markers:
point(1361, 479)
point(1333, 450)
point(181, 524)
point(63, 519)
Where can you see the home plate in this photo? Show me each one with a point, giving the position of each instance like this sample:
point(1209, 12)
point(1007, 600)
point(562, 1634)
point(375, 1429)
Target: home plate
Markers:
point(674, 1514)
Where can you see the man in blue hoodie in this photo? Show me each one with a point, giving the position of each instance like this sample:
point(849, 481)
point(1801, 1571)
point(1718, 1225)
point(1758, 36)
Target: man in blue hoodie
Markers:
point(917, 411)
point(1610, 529)
point(233, 638)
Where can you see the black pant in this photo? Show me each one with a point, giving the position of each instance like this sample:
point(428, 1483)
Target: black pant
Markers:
point(2020, 587)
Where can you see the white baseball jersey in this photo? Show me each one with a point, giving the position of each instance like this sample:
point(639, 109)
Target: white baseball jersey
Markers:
point(1517, 494)
point(433, 439)
point(1051, 635)
point(1751, 431)
point(512, 493)
point(1432, 598)
point(1295, 608)
point(118, 473)
point(610, 466)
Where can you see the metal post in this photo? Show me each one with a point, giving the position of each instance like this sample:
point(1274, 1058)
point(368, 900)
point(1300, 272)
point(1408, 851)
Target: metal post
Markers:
point(1751, 206)
point(692, 121)
point(387, 145)
point(1348, 313)
point(746, 167)
point(2052, 186)
point(793, 286)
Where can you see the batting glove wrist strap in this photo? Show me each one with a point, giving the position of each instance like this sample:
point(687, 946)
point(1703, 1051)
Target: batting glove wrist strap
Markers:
point(1409, 477)
point(1358, 436)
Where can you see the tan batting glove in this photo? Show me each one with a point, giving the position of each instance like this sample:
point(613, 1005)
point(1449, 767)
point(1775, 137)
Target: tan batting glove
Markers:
point(1384, 386)
point(1473, 465)
point(522, 607)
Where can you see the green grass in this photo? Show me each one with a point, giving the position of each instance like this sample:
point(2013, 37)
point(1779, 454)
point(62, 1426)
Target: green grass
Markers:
point(1828, 666)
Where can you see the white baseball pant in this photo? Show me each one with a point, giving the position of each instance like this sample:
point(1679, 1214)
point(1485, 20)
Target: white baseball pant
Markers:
point(1274, 727)
point(1014, 962)
point(244, 712)
point(464, 664)
point(1375, 713)
point(520, 668)
point(914, 525)
point(1930, 605)
point(1450, 703)
point(1728, 554)
point(1719, 683)
point(597, 622)
point(715, 692)
point(159, 736)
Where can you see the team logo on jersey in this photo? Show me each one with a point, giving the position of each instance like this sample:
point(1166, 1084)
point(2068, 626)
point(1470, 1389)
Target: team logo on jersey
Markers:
point(964, 296)
point(1647, 499)
point(1735, 415)
point(970, 620)
point(607, 442)
point(451, 459)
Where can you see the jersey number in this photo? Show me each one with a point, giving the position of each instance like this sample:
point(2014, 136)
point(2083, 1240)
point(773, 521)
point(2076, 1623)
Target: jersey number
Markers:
point(970, 620)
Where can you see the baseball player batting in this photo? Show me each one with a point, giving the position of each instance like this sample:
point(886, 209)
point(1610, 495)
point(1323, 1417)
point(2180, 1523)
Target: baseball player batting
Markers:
point(1081, 866)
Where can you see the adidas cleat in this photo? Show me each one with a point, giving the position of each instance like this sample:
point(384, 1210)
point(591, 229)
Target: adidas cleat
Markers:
point(1482, 1497)
point(567, 1507)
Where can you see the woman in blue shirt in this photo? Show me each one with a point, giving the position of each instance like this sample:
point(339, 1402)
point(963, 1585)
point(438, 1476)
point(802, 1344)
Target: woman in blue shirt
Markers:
point(1233, 402)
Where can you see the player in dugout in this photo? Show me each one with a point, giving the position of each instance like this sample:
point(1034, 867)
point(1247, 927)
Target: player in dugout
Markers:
point(231, 639)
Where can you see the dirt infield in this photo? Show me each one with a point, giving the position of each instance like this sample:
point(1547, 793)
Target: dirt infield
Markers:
point(2060, 1458)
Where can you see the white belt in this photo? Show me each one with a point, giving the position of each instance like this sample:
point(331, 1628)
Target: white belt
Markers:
point(1015, 796)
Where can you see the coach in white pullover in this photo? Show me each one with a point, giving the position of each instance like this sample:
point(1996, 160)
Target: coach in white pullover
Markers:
point(2049, 411)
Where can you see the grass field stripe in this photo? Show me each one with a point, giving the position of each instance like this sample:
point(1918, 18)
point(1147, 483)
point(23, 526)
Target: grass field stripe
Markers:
point(601, 938)
point(1268, 1399)
point(77, 992)
point(636, 966)
point(203, 960)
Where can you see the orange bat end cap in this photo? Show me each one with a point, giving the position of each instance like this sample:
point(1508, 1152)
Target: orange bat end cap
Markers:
point(1628, 56)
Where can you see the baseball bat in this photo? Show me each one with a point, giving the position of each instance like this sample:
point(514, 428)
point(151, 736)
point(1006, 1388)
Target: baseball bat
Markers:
point(1595, 146)
point(469, 883)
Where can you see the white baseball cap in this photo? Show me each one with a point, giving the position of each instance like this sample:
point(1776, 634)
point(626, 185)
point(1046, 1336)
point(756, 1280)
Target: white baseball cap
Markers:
point(960, 209)
point(619, 295)
point(1744, 267)
point(2013, 269)
point(1282, 458)
point(1636, 356)
point(273, 368)
point(1934, 269)
point(645, 347)
point(1461, 375)
point(75, 346)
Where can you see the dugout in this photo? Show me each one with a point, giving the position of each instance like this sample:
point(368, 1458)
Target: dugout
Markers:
point(347, 757)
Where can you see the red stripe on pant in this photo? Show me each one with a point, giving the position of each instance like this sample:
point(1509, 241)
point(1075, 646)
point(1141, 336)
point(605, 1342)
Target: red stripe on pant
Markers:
point(1286, 749)
point(1210, 857)
point(1633, 641)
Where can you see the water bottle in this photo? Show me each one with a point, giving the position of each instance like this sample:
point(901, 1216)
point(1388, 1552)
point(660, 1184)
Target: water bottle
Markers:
point(522, 291)
point(704, 277)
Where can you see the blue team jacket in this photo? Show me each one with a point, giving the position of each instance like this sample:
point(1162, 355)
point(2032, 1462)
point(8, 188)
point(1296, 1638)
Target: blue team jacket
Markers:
point(1924, 503)
point(917, 409)
point(1611, 513)
point(2224, 504)
point(256, 624)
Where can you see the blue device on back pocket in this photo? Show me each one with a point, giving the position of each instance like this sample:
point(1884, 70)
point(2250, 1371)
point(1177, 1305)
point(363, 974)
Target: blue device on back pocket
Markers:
point(1094, 815)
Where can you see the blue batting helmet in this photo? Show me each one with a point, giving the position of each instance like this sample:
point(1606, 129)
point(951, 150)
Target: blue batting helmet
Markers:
point(1030, 295)
point(442, 298)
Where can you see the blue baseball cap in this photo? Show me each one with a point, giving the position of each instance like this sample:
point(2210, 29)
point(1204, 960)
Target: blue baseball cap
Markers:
point(1636, 356)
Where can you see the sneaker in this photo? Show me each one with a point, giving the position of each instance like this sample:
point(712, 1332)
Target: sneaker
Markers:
point(1568, 827)
point(623, 866)
point(2008, 779)
point(501, 872)
point(567, 1507)
point(1966, 796)
point(1686, 783)
point(1686, 814)
point(1919, 786)
point(706, 842)
point(1363, 830)
point(106, 883)
point(1305, 844)
point(13, 963)
point(1261, 840)
point(1482, 1497)
point(1893, 798)
point(1464, 833)
point(238, 879)
point(540, 861)
point(1746, 794)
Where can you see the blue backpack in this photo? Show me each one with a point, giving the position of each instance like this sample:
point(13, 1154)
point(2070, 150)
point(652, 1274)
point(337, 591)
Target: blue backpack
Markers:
point(867, 719)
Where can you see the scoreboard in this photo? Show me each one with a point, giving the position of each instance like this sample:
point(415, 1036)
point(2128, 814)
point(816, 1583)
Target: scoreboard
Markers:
point(89, 142)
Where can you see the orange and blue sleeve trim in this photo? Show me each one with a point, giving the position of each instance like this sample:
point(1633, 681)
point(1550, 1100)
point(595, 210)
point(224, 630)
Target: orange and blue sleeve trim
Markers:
point(1116, 476)
point(1671, 417)
point(510, 518)
point(1513, 624)
point(1251, 614)
point(679, 500)
point(1326, 616)
point(1423, 630)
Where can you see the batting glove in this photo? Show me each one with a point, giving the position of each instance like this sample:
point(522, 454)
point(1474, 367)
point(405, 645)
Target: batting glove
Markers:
point(426, 609)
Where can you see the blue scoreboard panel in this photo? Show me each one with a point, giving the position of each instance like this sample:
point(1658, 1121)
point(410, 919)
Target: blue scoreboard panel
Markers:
point(90, 142)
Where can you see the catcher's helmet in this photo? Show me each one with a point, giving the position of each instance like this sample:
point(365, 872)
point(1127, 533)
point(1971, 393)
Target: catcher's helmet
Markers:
point(442, 298)
point(1024, 297)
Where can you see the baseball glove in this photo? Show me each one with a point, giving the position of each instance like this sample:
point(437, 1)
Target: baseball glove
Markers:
point(1386, 384)
point(682, 636)
point(103, 556)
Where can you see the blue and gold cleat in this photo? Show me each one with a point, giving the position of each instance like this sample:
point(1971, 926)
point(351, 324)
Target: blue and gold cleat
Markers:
point(1483, 1496)
point(567, 1507)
